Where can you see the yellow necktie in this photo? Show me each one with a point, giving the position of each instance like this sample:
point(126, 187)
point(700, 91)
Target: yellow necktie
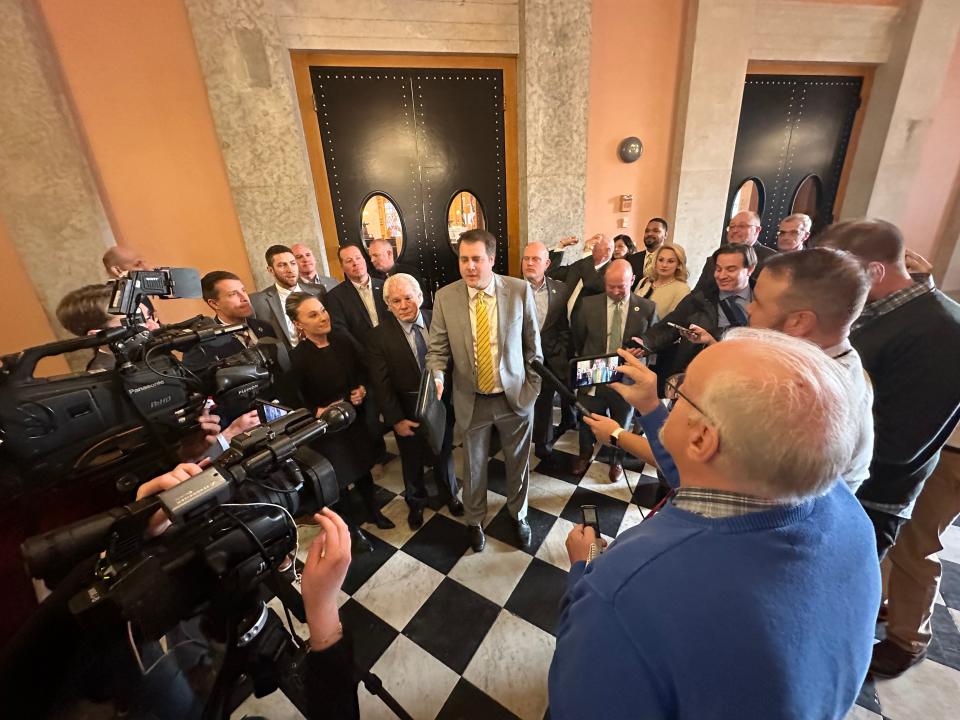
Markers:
point(484, 358)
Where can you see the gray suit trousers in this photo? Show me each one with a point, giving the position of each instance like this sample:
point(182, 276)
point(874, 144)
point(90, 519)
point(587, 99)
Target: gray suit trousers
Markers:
point(515, 431)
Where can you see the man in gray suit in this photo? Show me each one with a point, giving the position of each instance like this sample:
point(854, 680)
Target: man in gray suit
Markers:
point(268, 303)
point(487, 324)
point(604, 324)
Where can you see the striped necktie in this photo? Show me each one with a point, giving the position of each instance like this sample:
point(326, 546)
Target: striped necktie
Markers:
point(484, 358)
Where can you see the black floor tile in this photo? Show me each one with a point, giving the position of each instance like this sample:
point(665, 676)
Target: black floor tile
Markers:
point(560, 466)
point(497, 477)
point(371, 635)
point(537, 596)
point(648, 492)
point(945, 645)
point(439, 543)
point(609, 509)
point(452, 623)
point(364, 565)
point(868, 695)
point(950, 584)
point(502, 527)
point(466, 702)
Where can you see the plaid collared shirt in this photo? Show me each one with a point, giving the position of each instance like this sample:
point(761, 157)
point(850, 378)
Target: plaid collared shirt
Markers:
point(879, 308)
point(720, 504)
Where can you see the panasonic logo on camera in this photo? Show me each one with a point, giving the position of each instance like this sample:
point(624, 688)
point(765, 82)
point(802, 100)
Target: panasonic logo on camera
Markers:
point(140, 389)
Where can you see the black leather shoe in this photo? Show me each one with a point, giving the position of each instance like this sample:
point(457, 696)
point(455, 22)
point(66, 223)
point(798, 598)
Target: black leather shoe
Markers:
point(381, 520)
point(359, 542)
point(477, 539)
point(542, 451)
point(524, 534)
point(890, 660)
point(415, 518)
point(456, 507)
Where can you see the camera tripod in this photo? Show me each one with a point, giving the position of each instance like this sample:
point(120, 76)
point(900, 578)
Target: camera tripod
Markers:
point(261, 657)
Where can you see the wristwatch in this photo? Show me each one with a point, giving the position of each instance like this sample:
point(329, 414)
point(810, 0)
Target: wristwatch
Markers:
point(614, 436)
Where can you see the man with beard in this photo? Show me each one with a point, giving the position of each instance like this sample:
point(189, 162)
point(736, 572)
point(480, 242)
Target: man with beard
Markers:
point(654, 235)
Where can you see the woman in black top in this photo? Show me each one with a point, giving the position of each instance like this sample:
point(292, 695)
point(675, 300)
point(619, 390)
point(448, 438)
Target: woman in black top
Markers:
point(324, 368)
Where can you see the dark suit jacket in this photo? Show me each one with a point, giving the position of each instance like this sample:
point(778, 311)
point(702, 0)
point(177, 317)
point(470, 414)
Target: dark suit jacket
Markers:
point(590, 324)
point(555, 333)
point(700, 307)
point(582, 270)
point(707, 282)
point(328, 283)
point(349, 315)
point(266, 307)
point(394, 373)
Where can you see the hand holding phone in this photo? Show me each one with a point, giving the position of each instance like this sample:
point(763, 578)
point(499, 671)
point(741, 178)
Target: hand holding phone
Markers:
point(685, 333)
point(590, 518)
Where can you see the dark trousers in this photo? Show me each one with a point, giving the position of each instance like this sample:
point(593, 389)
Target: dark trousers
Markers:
point(414, 454)
point(374, 425)
point(604, 402)
point(543, 416)
point(886, 527)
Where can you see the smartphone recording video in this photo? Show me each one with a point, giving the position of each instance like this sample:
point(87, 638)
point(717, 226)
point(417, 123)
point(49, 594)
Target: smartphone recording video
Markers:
point(269, 412)
point(595, 370)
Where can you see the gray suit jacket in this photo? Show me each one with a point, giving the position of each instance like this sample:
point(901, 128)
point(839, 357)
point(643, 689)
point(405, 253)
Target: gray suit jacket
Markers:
point(266, 307)
point(590, 324)
point(451, 336)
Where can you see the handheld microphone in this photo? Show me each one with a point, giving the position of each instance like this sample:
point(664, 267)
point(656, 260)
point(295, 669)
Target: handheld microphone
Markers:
point(564, 392)
point(192, 337)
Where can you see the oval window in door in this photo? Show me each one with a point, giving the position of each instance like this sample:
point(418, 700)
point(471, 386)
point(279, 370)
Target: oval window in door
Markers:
point(464, 213)
point(806, 199)
point(380, 220)
point(749, 196)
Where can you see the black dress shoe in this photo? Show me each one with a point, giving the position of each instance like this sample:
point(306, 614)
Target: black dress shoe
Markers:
point(523, 533)
point(477, 539)
point(381, 520)
point(564, 426)
point(890, 660)
point(456, 507)
point(542, 451)
point(415, 518)
point(359, 542)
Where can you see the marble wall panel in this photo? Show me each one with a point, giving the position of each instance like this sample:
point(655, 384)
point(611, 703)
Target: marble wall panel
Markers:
point(48, 196)
point(246, 66)
point(554, 87)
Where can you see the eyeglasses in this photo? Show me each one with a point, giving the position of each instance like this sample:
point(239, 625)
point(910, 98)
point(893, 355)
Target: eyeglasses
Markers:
point(672, 392)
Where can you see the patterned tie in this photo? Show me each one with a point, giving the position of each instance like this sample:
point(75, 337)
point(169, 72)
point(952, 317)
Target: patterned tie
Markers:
point(421, 345)
point(616, 332)
point(484, 358)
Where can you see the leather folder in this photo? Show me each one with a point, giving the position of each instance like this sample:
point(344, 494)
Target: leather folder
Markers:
point(431, 413)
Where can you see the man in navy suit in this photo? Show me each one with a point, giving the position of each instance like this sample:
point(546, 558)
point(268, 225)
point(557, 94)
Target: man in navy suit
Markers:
point(396, 351)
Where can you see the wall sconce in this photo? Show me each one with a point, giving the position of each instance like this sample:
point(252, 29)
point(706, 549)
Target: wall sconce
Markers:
point(630, 149)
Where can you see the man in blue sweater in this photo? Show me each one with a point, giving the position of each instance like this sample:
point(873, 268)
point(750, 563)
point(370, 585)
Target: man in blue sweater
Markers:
point(753, 594)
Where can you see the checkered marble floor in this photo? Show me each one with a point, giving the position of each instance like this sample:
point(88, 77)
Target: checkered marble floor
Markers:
point(454, 634)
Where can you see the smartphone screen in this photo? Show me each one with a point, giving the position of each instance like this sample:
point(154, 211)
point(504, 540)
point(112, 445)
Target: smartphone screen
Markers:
point(269, 412)
point(590, 517)
point(596, 370)
point(685, 332)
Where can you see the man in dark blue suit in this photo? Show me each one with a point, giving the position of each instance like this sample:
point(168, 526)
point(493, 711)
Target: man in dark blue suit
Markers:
point(396, 349)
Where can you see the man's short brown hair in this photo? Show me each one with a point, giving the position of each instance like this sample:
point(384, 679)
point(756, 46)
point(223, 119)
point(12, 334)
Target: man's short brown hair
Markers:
point(869, 240)
point(85, 309)
point(831, 283)
point(484, 236)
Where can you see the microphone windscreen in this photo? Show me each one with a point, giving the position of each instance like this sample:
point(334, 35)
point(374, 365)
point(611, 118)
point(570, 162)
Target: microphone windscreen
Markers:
point(338, 416)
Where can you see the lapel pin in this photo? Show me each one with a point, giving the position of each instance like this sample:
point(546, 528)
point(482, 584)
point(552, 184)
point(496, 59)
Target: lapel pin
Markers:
point(636, 308)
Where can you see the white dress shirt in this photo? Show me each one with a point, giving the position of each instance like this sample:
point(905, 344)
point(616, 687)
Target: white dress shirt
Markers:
point(284, 293)
point(366, 295)
point(490, 301)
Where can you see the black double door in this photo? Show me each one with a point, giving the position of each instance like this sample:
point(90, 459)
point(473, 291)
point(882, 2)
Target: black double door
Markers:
point(792, 142)
point(419, 137)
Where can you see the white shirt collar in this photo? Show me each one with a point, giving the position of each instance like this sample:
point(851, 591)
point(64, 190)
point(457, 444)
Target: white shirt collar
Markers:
point(489, 289)
point(284, 291)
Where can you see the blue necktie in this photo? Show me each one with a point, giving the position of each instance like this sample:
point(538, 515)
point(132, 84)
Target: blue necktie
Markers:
point(736, 311)
point(421, 345)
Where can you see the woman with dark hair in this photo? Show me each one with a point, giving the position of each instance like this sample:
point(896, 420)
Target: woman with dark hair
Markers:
point(623, 246)
point(324, 368)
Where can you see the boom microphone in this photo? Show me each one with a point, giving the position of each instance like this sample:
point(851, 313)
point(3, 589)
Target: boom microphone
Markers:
point(554, 382)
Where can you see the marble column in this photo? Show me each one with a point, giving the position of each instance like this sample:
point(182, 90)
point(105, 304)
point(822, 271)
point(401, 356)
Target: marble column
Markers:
point(554, 75)
point(48, 195)
point(252, 97)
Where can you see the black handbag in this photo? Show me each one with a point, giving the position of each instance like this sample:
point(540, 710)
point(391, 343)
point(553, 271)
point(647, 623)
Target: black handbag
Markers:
point(430, 412)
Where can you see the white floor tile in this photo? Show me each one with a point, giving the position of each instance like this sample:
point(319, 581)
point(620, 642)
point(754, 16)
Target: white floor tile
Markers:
point(631, 518)
point(928, 690)
point(416, 679)
point(493, 573)
point(398, 589)
point(396, 510)
point(568, 443)
point(392, 477)
point(511, 666)
point(859, 713)
point(549, 494)
point(597, 479)
point(553, 549)
point(495, 501)
point(951, 544)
